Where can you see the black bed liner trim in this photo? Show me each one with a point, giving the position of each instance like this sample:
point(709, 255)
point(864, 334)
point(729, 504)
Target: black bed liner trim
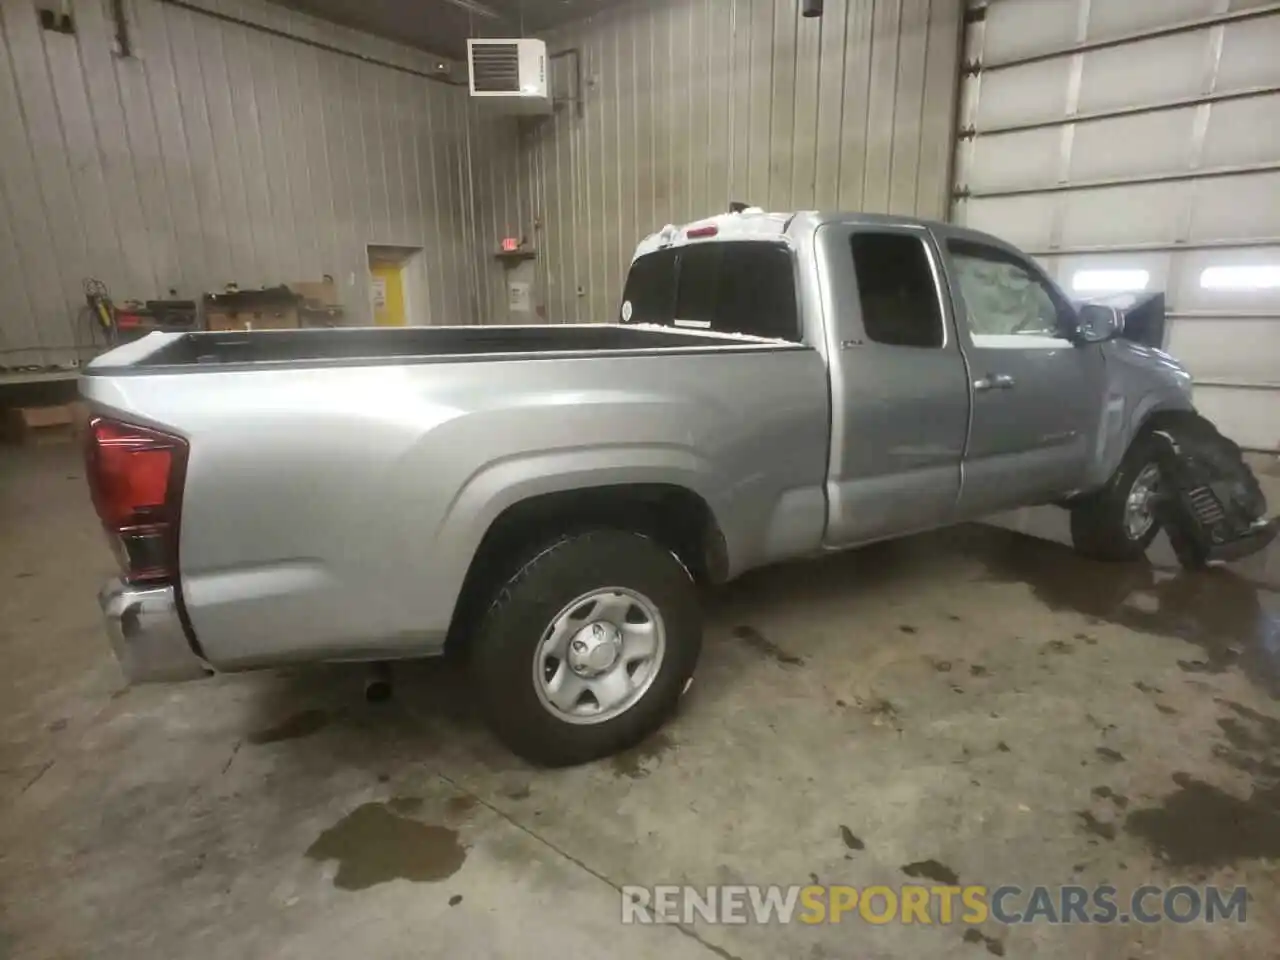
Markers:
point(293, 350)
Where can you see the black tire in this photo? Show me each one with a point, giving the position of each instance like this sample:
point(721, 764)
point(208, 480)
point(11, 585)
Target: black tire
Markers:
point(1098, 529)
point(507, 642)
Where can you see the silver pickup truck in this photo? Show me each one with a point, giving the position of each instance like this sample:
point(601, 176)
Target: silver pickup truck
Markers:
point(546, 498)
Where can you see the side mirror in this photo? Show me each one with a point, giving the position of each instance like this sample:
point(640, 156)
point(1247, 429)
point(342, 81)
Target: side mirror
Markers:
point(1099, 323)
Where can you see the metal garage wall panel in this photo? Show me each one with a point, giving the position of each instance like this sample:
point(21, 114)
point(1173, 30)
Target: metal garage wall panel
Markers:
point(1015, 30)
point(1243, 131)
point(1175, 177)
point(1222, 349)
point(693, 103)
point(1237, 208)
point(216, 154)
point(1249, 53)
point(1143, 72)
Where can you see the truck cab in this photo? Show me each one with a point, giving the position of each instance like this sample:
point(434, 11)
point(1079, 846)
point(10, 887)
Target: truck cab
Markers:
point(962, 380)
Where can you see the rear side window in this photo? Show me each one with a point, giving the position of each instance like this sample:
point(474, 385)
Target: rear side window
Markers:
point(651, 288)
point(898, 294)
point(732, 287)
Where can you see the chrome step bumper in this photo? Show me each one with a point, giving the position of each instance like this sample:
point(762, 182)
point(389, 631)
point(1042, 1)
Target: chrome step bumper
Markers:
point(146, 634)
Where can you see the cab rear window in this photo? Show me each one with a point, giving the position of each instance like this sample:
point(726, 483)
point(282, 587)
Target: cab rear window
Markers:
point(649, 296)
point(731, 287)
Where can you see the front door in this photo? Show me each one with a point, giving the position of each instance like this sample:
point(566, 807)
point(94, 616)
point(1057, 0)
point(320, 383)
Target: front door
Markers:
point(1037, 396)
point(899, 392)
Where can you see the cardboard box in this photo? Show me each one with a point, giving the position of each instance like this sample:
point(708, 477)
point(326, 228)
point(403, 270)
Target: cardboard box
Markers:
point(275, 308)
point(36, 426)
point(320, 306)
point(321, 293)
point(271, 318)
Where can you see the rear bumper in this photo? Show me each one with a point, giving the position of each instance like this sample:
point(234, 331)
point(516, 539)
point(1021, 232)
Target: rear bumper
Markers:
point(146, 634)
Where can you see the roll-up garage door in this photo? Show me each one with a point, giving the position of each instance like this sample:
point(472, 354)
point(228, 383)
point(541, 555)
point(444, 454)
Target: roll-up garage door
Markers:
point(1134, 145)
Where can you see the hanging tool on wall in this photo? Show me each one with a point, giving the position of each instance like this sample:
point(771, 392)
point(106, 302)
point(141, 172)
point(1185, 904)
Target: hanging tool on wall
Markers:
point(103, 312)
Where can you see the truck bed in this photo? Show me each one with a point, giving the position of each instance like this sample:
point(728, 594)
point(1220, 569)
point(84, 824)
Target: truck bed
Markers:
point(176, 352)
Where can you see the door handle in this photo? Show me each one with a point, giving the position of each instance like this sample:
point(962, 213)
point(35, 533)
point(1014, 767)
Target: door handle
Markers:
point(994, 381)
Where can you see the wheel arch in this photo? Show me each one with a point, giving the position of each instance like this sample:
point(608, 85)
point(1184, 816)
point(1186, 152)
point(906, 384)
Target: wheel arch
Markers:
point(673, 514)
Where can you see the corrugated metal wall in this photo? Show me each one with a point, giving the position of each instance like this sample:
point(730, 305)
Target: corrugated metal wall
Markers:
point(692, 103)
point(217, 154)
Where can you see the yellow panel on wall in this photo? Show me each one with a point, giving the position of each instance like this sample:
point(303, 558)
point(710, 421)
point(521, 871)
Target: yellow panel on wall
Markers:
point(388, 295)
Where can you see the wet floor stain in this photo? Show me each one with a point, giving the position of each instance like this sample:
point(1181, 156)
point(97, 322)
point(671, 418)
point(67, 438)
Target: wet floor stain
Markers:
point(1201, 825)
point(1002, 747)
point(405, 805)
point(299, 725)
point(942, 666)
point(1105, 728)
point(1092, 825)
point(1203, 666)
point(757, 641)
point(1146, 687)
point(1106, 793)
point(882, 711)
point(907, 628)
point(1166, 709)
point(1109, 755)
point(932, 870)
point(461, 805)
point(993, 945)
point(978, 670)
point(374, 844)
point(1218, 610)
point(850, 840)
point(455, 900)
point(637, 762)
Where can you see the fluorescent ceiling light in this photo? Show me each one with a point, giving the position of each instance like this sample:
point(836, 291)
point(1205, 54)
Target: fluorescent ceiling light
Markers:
point(1109, 281)
point(1245, 277)
point(472, 7)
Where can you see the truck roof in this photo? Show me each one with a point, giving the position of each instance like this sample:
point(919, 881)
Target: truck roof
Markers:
point(754, 223)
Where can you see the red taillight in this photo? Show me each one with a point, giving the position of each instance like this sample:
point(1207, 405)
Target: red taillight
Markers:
point(135, 478)
point(694, 233)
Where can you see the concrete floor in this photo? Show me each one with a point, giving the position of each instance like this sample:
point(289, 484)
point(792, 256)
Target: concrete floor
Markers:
point(963, 698)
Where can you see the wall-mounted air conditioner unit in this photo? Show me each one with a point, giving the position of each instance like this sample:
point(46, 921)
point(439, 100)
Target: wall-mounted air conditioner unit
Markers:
point(511, 75)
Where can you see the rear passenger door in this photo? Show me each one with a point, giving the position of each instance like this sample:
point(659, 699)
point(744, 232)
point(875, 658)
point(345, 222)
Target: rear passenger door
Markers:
point(900, 400)
point(1037, 396)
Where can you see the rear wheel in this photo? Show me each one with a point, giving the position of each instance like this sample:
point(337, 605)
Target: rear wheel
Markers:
point(587, 648)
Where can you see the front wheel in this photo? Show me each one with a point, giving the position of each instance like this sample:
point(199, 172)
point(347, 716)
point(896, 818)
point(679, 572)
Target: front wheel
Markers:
point(1119, 521)
point(586, 650)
